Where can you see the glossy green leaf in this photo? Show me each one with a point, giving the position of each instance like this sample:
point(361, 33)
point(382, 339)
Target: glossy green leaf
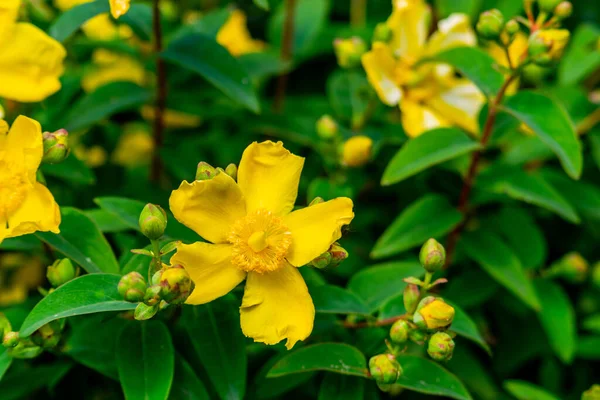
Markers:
point(523, 390)
point(214, 330)
point(334, 357)
point(588, 347)
point(71, 20)
point(429, 217)
point(331, 299)
point(551, 123)
point(426, 376)
point(203, 55)
point(105, 221)
point(341, 387)
point(581, 57)
point(21, 243)
point(84, 295)
point(464, 326)
point(5, 361)
point(139, 18)
point(81, 241)
point(584, 196)
point(186, 384)
point(378, 283)
point(72, 170)
point(263, 64)
point(557, 318)
point(448, 7)
point(429, 149)
point(146, 360)
point(500, 262)
point(592, 323)
point(472, 371)
point(268, 388)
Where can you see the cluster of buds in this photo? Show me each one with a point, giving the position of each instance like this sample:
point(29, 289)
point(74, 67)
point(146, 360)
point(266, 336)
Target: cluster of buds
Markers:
point(205, 171)
point(56, 146)
point(61, 272)
point(349, 51)
point(572, 267)
point(46, 337)
point(331, 258)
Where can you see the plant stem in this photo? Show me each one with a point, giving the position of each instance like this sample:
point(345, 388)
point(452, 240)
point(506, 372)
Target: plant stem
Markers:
point(358, 13)
point(161, 93)
point(287, 44)
point(156, 260)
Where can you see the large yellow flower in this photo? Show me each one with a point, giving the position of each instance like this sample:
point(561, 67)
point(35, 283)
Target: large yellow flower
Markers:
point(255, 236)
point(430, 96)
point(235, 37)
point(31, 62)
point(26, 206)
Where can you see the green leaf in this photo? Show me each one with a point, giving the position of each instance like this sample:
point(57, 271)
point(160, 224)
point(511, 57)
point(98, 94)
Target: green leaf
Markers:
point(429, 149)
point(21, 243)
point(349, 93)
point(588, 348)
point(425, 376)
point(263, 64)
point(146, 360)
point(105, 101)
point(72, 170)
point(327, 189)
point(473, 373)
point(214, 330)
point(84, 295)
point(264, 4)
point(557, 318)
point(551, 124)
point(268, 388)
point(501, 263)
point(476, 65)
point(377, 284)
point(70, 21)
point(334, 357)
point(429, 217)
point(585, 197)
point(81, 240)
point(5, 361)
point(341, 387)
point(448, 7)
point(331, 299)
point(105, 221)
point(581, 57)
point(204, 56)
point(139, 18)
point(19, 385)
point(523, 390)
point(592, 323)
point(464, 326)
point(186, 384)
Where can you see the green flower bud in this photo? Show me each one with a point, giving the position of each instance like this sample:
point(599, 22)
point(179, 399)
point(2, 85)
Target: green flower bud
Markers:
point(327, 127)
point(572, 267)
point(25, 349)
point(132, 287)
point(153, 221)
point(490, 24)
point(399, 331)
point(143, 311)
point(548, 5)
point(382, 33)
point(432, 256)
point(384, 368)
point(592, 393)
point(349, 51)
point(533, 73)
point(411, 297)
point(48, 335)
point(10, 339)
point(338, 254)
point(433, 313)
point(56, 146)
point(563, 10)
point(152, 296)
point(417, 336)
point(316, 200)
point(440, 347)
point(323, 261)
point(538, 45)
point(232, 170)
point(512, 27)
point(61, 272)
point(176, 284)
point(205, 171)
point(5, 325)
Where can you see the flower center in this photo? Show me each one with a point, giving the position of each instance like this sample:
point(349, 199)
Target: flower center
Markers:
point(13, 187)
point(260, 242)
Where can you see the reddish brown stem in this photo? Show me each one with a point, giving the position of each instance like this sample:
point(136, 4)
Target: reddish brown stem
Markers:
point(161, 94)
point(287, 44)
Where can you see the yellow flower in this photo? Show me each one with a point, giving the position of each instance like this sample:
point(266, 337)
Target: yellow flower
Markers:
point(101, 27)
point(135, 147)
point(235, 37)
point(113, 67)
point(18, 274)
point(437, 314)
point(26, 206)
point(173, 118)
point(119, 7)
point(255, 236)
point(557, 39)
point(31, 62)
point(93, 157)
point(356, 151)
point(429, 96)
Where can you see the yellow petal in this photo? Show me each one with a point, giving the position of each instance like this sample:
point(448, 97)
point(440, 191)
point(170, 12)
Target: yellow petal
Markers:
point(210, 268)
point(454, 31)
point(209, 207)
point(120, 68)
point(269, 176)
point(235, 37)
point(380, 66)
point(460, 105)
point(31, 63)
point(9, 10)
point(39, 212)
point(119, 7)
point(315, 228)
point(277, 306)
point(25, 137)
point(409, 23)
point(418, 118)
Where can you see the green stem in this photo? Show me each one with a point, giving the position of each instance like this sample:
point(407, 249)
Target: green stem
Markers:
point(358, 13)
point(156, 260)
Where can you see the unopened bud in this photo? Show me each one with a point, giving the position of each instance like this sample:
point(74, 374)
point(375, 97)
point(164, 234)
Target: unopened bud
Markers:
point(10, 339)
point(152, 296)
point(563, 10)
point(338, 254)
point(382, 33)
point(25, 349)
point(327, 127)
point(357, 151)
point(205, 171)
point(61, 272)
point(5, 325)
point(411, 298)
point(433, 313)
point(384, 368)
point(548, 5)
point(176, 284)
point(132, 287)
point(153, 221)
point(232, 170)
point(349, 51)
point(550, 42)
point(490, 24)
point(323, 261)
point(56, 146)
point(399, 331)
point(417, 336)
point(572, 267)
point(143, 311)
point(592, 393)
point(512, 27)
point(47, 336)
point(440, 347)
point(316, 200)
point(432, 256)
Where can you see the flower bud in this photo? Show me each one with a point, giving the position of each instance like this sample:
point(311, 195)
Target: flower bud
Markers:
point(205, 171)
point(382, 33)
point(384, 368)
point(231, 170)
point(563, 10)
point(399, 331)
point(548, 5)
point(549, 41)
point(490, 24)
point(432, 256)
point(417, 336)
point(152, 296)
point(356, 151)
point(572, 267)
point(349, 51)
point(10, 339)
point(512, 27)
point(411, 297)
point(61, 272)
point(338, 254)
point(316, 200)
point(440, 347)
point(433, 313)
point(25, 349)
point(327, 127)
point(596, 275)
point(153, 221)
point(56, 146)
point(322, 261)
point(47, 336)
point(5, 325)
point(592, 393)
point(132, 287)
point(143, 311)
point(176, 284)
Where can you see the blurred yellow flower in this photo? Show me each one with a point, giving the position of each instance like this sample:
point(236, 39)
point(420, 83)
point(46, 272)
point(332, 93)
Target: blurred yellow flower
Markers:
point(112, 67)
point(135, 146)
point(94, 156)
point(556, 39)
point(26, 206)
point(356, 151)
point(429, 95)
point(254, 235)
point(119, 7)
point(172, 118)
point(31, 62)
point(101, 27)
point(235, 37)
point(19, 273)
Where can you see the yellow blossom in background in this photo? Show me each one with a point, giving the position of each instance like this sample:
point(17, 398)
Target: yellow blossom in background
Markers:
point(429, 95)
point(357, 151)
point(101, 27)
point(517, 51)
point(173, 118)
point(119, 7)
point(135, 147)
point(235, 37)
point(31, 62)
point(254, 235)
point(19, 273)
point(112, 67)
point(557, 39)
point(94, 156)
point(26, 206)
